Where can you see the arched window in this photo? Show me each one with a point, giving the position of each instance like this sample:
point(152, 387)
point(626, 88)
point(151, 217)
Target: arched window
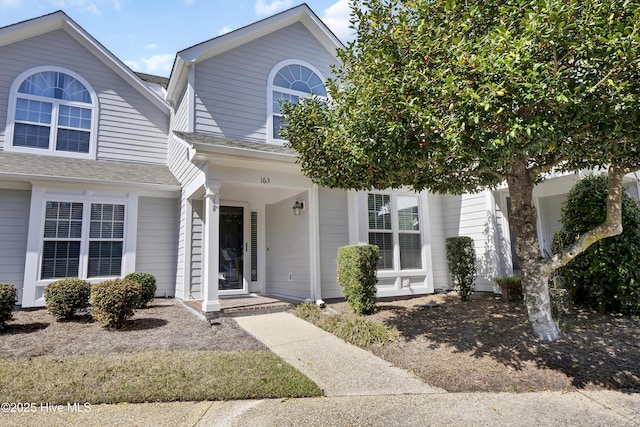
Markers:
point(54, 111)
point(290, 81)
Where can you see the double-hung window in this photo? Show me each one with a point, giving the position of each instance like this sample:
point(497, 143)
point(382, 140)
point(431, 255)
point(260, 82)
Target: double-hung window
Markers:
point(53, 112)
point(83, 240)
point(290, 82)
point(394, 226)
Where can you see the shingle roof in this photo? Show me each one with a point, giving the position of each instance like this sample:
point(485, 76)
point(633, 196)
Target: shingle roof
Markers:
point(162, 81)
point(25, 166)
point(213, 141)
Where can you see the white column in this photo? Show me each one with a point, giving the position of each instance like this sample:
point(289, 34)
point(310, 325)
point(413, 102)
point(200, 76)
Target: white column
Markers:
point(211, 237)
point(314, 243)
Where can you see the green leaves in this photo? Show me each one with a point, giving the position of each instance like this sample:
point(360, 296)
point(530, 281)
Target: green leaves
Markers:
point(444, 95)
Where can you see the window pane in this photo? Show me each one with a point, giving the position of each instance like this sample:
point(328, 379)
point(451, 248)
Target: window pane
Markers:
point(29, 110)
point(301, 86)
point(105, 259)
point(30, 136)
point(410, 251)
point(379, 212)
point(277, 126)
point(63, 220)
point(73, 140)
point(60, 260)
point(408, 218)
point(74, 117)
point(384, 241)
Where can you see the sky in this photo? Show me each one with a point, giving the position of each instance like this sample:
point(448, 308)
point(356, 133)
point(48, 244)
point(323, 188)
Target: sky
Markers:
point(146, 34)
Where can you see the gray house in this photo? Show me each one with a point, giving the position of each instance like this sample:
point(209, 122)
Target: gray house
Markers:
point(104, 172)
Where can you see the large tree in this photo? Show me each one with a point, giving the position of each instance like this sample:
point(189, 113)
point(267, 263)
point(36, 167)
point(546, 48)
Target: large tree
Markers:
point(458, 96)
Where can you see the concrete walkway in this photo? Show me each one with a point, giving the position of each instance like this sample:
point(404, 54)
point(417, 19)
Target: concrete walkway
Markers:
point(339, 369)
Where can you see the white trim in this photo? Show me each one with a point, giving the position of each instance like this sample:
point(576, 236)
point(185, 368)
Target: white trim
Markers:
point(33, 262)
point(211, 243)
point(94, 107)
point(271, 88)
point(315, 274)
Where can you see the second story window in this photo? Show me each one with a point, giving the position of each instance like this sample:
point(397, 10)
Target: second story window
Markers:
point(53, 112)
point(290, 81)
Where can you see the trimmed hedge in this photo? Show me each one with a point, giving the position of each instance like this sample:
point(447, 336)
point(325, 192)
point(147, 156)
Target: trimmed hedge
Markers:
point(64, 297)
point(357, 268)
point(8, 296)
point(148, 282)
point(114, 301)
point(461, 259)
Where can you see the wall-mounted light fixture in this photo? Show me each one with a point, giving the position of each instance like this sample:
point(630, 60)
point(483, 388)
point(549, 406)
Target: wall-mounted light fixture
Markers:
point(298, 207)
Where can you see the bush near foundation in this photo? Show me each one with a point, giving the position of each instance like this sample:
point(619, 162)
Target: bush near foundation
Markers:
point(8, 296)
point(148, 282)
point(607, 275)
point(64, 297)
point(114, 301)
point(357, 276)
point(461, 259)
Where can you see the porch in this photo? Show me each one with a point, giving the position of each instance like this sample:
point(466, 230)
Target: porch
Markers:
point(244, 305)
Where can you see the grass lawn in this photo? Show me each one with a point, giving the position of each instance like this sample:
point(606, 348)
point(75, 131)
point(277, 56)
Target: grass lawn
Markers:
point(152, 376)
point(165, 354)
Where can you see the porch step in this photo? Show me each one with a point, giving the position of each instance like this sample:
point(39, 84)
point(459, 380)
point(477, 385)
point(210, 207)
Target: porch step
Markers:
point(246, 305)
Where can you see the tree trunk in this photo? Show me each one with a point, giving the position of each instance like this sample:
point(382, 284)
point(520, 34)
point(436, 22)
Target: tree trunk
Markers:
point(534, 280)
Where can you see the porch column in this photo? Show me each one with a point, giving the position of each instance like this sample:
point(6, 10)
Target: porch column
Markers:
point(314, 242)
point(211, 243)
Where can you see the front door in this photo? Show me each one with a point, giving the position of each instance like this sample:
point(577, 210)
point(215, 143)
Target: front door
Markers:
point(233, 247)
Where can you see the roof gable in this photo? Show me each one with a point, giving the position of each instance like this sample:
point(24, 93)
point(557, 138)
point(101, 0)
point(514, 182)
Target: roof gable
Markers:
point(61, 21)
point(210, 48)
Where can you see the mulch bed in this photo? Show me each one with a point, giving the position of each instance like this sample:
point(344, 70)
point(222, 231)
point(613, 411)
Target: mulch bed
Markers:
point(487, 345)
point(164, 325)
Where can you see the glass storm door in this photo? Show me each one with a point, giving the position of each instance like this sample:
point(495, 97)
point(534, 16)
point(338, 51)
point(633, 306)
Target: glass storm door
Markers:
point(232, 249)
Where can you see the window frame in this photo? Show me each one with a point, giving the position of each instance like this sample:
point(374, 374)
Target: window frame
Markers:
point(53, 125)
point(395, 230)
point(271, 139)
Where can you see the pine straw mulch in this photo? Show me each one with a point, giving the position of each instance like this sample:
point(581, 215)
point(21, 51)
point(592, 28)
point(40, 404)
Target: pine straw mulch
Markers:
point(486, 345)
point(164, 325)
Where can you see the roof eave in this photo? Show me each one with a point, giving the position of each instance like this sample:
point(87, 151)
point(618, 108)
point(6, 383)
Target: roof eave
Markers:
point(76, 180)
point(204, 151)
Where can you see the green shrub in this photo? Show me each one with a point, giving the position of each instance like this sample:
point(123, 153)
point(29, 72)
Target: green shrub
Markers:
point(607, 275)
point(308, 311)
point(357, 268)
point(359, 331)
point(148, 282)
point(64, 297)
point(114, 301)
point(461, 259)
point(8, 297)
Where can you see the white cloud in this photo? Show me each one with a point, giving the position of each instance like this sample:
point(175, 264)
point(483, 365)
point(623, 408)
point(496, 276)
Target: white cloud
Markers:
point(151, 46)
point(226, 29)
point(7, 4)
point(157, 64)
point(83, 5)
point(336, 17)
point(117, 5)
point(266, 8)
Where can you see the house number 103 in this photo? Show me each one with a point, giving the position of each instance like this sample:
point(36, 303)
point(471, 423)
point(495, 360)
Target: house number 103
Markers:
point(265, 180)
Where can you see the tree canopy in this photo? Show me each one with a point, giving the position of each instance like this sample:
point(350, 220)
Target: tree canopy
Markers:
point(445, 95)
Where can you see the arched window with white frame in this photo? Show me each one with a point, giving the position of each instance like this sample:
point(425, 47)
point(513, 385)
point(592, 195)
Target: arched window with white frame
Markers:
point(52, 111)
point(290, 81)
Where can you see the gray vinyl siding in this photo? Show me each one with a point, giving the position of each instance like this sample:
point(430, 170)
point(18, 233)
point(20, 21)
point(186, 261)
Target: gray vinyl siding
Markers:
point(180, 121)
point(196, 249)
point(287, 241)
point(467, 215)
point(158, 241)
point(334, 233)
point(231, 97)
point(130, 127)
point(14, 224)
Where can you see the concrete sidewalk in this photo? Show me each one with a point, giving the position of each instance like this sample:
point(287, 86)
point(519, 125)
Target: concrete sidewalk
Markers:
point(339, 368)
